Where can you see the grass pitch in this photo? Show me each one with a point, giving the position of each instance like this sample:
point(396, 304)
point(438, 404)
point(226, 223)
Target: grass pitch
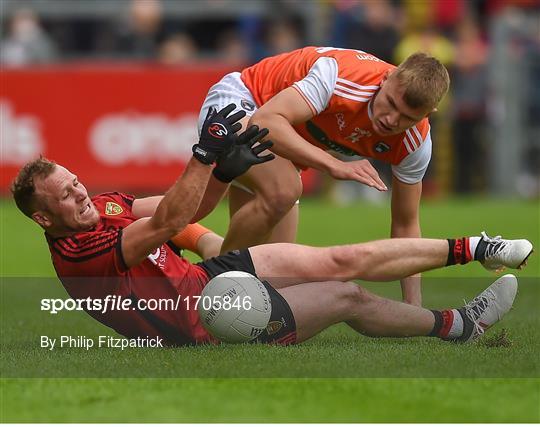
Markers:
point(337, 377)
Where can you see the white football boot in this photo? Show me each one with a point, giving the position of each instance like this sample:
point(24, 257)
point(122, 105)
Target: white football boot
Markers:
point(499, 253)
point(488, 308)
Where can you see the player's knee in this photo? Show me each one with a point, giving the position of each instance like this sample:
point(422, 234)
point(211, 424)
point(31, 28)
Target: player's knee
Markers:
point(349, 259)
point(281, 200)
point(353, 296)
point(360, 295)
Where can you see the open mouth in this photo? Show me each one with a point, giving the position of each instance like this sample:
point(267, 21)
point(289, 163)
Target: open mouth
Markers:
point(86, 209)
point(384, 127)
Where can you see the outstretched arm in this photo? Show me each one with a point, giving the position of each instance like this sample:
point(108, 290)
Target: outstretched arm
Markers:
point(146, 206)
point(172, 214)
point(178, 206)
point(288, 108)
point(235, 162)
point(279, 115)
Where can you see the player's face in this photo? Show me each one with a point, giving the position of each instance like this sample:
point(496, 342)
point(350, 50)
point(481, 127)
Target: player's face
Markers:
point(68, 207)
point(390, 114)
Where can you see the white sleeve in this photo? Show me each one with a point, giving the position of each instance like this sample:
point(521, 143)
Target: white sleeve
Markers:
point(318, 86)
point(413, 167)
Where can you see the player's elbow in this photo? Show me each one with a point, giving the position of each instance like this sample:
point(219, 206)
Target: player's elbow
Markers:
point(167, 227)
point(259, 118)
point(265, 119)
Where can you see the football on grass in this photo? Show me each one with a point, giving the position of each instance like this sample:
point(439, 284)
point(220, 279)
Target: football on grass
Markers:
point(235, 307)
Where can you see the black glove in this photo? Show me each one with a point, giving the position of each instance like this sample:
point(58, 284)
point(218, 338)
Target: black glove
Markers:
point(218, 134)
point(242, 155)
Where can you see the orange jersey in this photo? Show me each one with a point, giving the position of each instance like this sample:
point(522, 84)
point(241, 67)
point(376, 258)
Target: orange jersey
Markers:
point(338, 85)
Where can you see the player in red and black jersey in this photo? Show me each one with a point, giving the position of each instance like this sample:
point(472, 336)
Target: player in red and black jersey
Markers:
point(114, 244)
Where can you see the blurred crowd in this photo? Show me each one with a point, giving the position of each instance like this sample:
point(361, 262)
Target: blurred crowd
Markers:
point(455, 31)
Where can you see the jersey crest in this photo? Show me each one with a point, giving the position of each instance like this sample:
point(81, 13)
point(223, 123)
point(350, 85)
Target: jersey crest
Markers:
point(381, 147)
point(112, 209)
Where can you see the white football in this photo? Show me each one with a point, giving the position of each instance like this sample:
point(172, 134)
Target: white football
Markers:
point(235, 307)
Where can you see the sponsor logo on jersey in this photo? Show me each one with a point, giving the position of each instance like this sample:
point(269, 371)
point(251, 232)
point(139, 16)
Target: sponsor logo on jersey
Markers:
point(158, 257)
point(318, 135)
point(274, 327)
point(246, 105)
point(340, 121)
point(112, 209)
point(217, 130)
point(368, 57)
point(381, 147)
point(358, 134)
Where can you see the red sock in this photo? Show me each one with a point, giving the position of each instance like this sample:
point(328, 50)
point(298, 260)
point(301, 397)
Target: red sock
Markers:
point(448, 324)
point(459, 251)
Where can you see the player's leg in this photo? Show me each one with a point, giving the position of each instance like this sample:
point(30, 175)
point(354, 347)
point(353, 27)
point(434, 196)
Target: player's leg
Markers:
point(276, 188)
point(383, 260)
point(284, 231)
point(316, 306)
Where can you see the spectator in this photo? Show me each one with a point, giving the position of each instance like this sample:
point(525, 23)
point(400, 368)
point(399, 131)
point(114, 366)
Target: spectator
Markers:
point(447, 14)
point(178, 49)
point(430, 40)
point(369, 26)
point(27, 43)
point(232, 49)
point(469, 94)
point(281, 37)
point(427, 40)
point(140, 37)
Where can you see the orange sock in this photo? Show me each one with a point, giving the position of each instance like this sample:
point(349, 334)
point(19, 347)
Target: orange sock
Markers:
point(189, 236)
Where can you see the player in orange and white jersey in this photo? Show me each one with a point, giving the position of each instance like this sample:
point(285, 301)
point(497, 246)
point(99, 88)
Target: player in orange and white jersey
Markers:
point(318, 99)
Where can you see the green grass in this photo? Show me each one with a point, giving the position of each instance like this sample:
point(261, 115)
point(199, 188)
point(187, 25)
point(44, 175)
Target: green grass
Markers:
point(338, 376)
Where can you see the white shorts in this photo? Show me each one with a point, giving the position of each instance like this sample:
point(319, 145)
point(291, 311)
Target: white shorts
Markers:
point(230, 89)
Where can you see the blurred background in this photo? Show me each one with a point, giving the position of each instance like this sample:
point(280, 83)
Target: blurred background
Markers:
point(112, 88)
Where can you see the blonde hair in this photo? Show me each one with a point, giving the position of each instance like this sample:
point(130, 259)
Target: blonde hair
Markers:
point(425, 79)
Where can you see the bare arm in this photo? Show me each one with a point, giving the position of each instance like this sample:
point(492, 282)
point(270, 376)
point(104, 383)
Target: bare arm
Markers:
point(214, 193)
point(146, 207)
point(288, 108)
point(209, 245)
point(406, 223)
point(173, 212)
point(279, 115)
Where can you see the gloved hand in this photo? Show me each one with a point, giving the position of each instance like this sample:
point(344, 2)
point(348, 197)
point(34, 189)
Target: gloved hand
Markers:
point(242, 155)
point(218, 134)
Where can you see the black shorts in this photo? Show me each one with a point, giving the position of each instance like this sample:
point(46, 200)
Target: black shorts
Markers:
point(281, 328)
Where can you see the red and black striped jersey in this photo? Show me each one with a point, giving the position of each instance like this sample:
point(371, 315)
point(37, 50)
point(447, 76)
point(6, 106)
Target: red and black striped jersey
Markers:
point(90, 265)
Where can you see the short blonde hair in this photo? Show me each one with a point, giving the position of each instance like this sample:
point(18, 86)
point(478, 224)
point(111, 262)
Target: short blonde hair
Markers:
point(425, 79)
